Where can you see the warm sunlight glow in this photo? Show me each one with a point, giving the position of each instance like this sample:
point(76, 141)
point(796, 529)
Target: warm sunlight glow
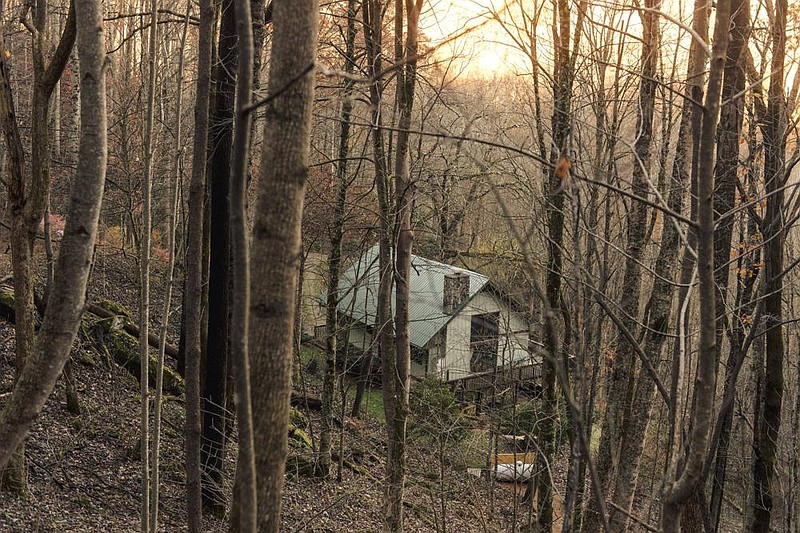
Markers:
point(464, 34)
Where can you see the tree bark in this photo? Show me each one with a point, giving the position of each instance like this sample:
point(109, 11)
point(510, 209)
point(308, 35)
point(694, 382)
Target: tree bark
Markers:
point(615, 438)
point(678, 492)
point(193, 290)
point(65, 306)
point(27, 200)
point(276, 242)
point(144, 268)
point(726, 178)
point(562, 93)
point(221, 134)
point(335, 259)
point(172, 250)
point(774, 132)
point(245, 489)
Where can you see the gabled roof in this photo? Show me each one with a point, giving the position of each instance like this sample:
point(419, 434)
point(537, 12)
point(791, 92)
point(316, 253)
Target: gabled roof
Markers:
point(359, 289)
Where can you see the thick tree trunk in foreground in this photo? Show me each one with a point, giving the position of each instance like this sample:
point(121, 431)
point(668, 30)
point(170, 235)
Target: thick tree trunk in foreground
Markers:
point(276, 243)
point(65, 306)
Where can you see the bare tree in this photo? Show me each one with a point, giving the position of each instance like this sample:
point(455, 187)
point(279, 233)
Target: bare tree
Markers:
point(27, 199)
point(144, 268)
point(396, 398)
point(215, 400)
point(193, 291)
point(276, 242)
point(65, 307)
point(682, 482)
point(172, 250)
point(774, 131)
point(335, 258)
point(245, 492)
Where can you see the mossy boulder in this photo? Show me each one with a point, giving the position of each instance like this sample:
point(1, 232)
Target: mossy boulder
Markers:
point(114, 307)
point(300, 437)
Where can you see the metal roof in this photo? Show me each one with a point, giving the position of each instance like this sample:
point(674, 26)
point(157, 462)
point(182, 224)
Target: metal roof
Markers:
point(359, 289)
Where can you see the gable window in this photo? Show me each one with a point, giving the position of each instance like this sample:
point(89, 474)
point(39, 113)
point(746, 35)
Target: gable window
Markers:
point(483, 342)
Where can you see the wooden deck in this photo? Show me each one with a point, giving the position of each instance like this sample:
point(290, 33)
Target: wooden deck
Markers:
point(525, 377)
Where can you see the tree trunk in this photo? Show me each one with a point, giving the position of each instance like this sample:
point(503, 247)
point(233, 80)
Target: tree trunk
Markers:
point(726, 178)
point(335, 258)
point(688, 160)
point(65, 307)
point(214, 398)
point(404, 200)
point(678, 492)
point(27, 200)
point(615, 438)
point(245, 505)
point(193, 290)
point(172, 250)
point(560, 120)
point(144, 266)
point(276, 242)
point(774, 132)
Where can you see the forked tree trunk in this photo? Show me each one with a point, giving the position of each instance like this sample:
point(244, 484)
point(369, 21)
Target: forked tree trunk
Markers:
point(686, 481)
point(276, 242)
point(65, 306)
point(27, 200)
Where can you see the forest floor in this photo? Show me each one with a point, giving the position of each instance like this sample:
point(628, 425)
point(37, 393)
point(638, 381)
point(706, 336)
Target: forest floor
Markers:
point(84, 471)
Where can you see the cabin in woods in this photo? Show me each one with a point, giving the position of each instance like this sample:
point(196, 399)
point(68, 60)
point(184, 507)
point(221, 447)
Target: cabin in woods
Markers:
point(461, 326)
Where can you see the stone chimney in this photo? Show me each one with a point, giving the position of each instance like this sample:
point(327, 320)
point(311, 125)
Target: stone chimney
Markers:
point(456, 290)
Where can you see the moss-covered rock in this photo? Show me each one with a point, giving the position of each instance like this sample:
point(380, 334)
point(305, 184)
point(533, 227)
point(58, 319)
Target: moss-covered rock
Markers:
point(114, 307)
point(300, 436)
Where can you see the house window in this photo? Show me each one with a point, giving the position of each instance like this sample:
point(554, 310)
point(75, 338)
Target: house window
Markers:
point(483, 342)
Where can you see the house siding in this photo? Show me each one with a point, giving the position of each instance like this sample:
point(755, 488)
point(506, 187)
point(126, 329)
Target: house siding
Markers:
point(512, 329)
point(449, 351)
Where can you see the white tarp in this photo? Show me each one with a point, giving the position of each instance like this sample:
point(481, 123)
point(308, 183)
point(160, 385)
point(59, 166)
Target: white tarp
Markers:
point(518, 471)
